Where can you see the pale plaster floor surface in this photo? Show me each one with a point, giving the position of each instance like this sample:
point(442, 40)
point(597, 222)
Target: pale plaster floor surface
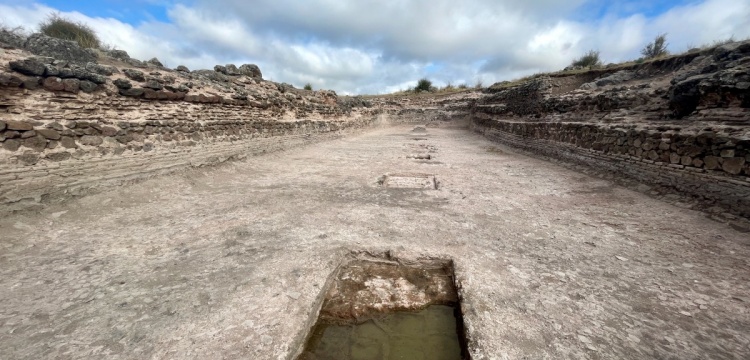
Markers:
point(229, 262)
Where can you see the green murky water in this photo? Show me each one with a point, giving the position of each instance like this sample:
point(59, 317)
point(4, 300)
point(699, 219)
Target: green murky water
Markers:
point(430, 334)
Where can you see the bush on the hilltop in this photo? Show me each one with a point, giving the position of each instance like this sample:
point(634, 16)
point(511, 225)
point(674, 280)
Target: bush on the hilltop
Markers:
point(423, 85)
point(588, 60)
point(657, 48)
point(308, 86)
point(59, 27)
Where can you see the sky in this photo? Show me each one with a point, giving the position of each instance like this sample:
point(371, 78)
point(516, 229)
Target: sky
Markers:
point(382, 46)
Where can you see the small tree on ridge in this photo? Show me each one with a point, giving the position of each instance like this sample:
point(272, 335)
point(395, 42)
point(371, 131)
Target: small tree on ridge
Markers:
point(657, 48)
point(423, 85)
point(590, 59)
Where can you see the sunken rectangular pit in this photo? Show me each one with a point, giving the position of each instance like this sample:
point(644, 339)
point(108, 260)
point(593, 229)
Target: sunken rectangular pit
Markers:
point(387, 309)
point(409, 181)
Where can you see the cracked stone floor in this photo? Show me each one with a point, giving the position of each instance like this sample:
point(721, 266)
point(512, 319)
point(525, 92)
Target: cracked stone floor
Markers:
point(229, 262)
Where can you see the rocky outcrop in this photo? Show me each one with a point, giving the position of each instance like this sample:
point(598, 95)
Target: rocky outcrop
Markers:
point(248, 70)
point(721, 79)
point(155, 62)
point(59, 49)
point(251, 70)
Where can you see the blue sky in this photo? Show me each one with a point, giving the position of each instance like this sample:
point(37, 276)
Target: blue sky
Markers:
point(375, 46)
point(130, 11)
point(598, 9)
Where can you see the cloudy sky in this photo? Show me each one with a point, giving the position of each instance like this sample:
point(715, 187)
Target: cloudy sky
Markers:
point(381, 46)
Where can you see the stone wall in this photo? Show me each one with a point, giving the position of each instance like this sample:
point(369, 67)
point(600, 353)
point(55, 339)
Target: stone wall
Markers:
point(443, 109)
point(712, 168)
point(58, 139)
point(73, 120)
point(681, 124)
point(56, 143)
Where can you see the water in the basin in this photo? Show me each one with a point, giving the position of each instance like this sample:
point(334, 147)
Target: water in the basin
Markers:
point(430, 334)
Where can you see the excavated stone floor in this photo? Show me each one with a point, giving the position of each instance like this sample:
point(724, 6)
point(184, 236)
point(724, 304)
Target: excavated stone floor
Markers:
point(231, 262)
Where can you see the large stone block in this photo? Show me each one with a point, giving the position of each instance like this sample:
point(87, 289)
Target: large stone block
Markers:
point(28, 66)
point(135, 75)
point(11, 144)
point(733, 165)
point(711, 162)
point(18, 125)
point(49, 134)
point(71, 85)
point(53, 84)
point(91, 140)
point(36, 143)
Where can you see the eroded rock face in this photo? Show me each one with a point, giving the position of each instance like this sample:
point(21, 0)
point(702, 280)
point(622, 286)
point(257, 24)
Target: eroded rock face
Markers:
point(211, 75)
point(616, 78)
point(67, 50)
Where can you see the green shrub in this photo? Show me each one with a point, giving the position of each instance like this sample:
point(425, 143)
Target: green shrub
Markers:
point(308, 86)
point(59, 27)
point(423, 85)
point(589, 60)
point(657, 48)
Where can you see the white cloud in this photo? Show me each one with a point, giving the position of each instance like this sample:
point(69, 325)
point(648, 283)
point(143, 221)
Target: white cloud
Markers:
point(372, 46)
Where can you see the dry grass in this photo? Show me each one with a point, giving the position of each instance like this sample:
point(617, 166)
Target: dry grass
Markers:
point(59, 27)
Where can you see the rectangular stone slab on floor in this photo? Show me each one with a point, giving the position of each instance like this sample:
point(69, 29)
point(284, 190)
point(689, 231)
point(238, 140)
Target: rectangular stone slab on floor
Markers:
point(410, 181)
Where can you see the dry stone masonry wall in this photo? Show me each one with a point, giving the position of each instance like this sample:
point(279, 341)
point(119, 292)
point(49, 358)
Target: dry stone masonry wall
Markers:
point(681, 124)
point(68, 126)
